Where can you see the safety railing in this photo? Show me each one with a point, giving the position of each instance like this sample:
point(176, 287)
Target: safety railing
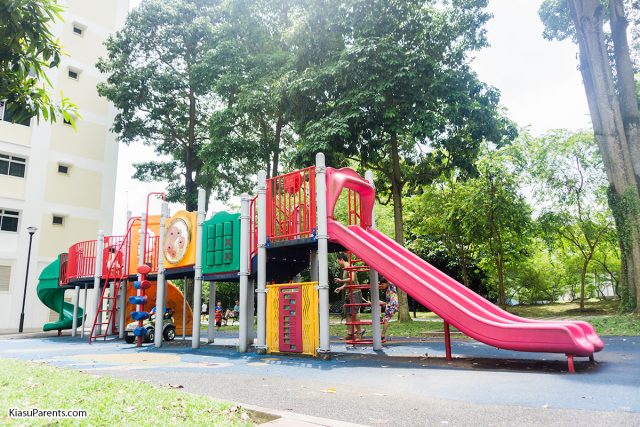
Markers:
point(291, 205)
point(82, 260)
point(62, 274)
point(152, 252)
point(114, 256)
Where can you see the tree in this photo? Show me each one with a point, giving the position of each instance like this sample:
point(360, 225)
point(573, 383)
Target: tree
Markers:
point(567, 173)
point(253, 62)
point(439, 216)
point(396, 94)
point(613, 104)
point(500, 217)
point(159, 82)
point(28, 49)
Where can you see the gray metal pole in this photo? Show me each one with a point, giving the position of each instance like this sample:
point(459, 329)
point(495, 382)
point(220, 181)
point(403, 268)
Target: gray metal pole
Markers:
point(197, 272)
point(211, 329)
point(96, 283)
point(122, 293)
point(76, 301)
point(262, 262)
point(249, 314)
point(323, 254)
point(160, 281)
point(84, 311)
point(374, 287)
point(122, 301)
point(244, 273)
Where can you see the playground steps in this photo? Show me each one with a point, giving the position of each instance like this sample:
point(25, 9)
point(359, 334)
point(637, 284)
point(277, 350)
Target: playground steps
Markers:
point(105, 318)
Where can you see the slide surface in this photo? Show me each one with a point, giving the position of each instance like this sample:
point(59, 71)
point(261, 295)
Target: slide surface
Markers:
point(53, 297)
point(467, 311)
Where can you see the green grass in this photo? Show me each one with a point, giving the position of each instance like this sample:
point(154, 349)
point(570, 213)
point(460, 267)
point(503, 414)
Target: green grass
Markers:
point(108, 401)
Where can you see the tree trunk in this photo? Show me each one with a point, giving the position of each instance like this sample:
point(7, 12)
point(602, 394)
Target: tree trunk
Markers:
point(612, 116)
point(396, 193)
point(276, 146)
point(190, 187)
point(502, 298)
point(583, 282)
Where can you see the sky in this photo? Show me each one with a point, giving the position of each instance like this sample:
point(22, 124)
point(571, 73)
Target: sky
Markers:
point(539, 81)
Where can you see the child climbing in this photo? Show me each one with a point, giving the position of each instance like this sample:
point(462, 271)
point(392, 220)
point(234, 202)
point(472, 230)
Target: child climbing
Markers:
point(391, 294)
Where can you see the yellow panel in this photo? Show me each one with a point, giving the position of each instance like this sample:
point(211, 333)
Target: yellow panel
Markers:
point(55, 239)
point(14, 133)
point(100, 12)
point(83, 92)
point(12, 187)
point(80, 187)
point(310, 323)
point(180, 240)
point(88, 141)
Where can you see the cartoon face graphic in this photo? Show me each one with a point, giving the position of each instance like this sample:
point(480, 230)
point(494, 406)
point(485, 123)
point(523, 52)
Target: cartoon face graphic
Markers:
point(176, 240)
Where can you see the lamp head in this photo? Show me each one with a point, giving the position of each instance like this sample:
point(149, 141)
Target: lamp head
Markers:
point(32, 230)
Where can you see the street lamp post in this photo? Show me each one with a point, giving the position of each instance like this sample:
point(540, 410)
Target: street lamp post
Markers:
point(31, 231)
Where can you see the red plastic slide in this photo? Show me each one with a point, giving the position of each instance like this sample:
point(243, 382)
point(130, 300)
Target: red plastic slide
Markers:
point(459, 306)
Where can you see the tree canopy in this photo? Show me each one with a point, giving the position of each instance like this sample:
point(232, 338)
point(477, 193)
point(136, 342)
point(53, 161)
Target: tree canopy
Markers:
point(28, 49)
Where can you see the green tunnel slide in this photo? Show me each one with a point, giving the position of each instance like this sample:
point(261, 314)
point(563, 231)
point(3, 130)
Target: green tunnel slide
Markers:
point(53, 297)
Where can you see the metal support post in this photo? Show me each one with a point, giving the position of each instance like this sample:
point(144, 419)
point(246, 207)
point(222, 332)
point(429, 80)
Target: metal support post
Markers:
point(374, 288)
point(262, 262)
point(160, 281)
point(323, 254)
point(197, 272)
point(84, 311)
point(211, 328)
point(122, 307)
point(244, 273)
point(96, 283)
point(76, 301)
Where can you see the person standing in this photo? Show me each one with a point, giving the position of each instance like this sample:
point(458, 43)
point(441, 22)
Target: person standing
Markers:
point(203, 312)
point(391, 308)
point(351, 297)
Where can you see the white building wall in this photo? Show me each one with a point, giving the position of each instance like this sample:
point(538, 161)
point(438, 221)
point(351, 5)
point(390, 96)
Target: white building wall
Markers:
point(85, 197)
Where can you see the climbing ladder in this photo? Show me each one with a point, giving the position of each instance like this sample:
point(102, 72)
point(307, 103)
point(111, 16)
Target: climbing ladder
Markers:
point(115, 262)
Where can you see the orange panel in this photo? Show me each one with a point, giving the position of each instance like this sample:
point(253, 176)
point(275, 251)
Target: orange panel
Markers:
point(180, 240)
point(174, 302)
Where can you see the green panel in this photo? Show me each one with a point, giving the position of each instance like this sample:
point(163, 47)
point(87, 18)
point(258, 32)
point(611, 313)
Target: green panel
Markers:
point(228, 228)
point(222, 237)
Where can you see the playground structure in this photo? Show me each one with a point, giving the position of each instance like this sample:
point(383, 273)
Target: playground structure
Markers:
point(291, 224)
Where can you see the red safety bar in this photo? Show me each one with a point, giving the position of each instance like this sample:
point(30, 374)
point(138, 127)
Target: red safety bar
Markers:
point(82, 260)
point(291, 205)
point(62, 274)
point(113, 256)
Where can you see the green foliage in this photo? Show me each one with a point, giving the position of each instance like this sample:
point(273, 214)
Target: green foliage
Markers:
point(28, 49)
point(566, 172)
point(557, 20)
point(156, 78)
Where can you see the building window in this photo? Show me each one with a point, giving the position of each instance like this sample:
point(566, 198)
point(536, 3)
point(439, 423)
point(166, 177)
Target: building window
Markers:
point(58, 220)
point(12, 165)
point(63, 169)
point(9, 220)
point(78, 29)
point(5, 277)
point(12, 116)
point(73, 73)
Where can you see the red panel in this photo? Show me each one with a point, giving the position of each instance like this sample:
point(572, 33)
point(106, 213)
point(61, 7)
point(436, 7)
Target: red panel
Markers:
point(290, 319)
